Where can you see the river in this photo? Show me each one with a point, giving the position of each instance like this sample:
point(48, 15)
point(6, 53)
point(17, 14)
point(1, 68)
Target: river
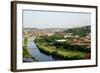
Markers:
point(34, 51)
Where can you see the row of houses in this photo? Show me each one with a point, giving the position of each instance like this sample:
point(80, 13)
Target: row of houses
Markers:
point(38, 33)
point(83, 41)
point(76, 39)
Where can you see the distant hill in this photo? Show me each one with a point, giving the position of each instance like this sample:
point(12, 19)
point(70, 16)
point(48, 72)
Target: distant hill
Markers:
point(45, 29)
point(81, 31)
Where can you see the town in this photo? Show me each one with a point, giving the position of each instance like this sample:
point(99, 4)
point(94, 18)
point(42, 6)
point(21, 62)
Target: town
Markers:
point(69, 37)
point(68, 44)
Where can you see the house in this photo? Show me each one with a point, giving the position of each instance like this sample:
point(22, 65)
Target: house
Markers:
point(50, 34)
point(67, 35)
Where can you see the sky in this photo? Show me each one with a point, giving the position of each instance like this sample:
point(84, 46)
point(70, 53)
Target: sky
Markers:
point(51, 19)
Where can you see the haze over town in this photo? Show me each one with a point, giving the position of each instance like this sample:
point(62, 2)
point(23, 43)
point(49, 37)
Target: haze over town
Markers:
point(51, 19)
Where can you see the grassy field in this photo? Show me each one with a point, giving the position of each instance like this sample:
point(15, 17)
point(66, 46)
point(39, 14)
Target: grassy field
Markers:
point(60, 53)
point(25, 52)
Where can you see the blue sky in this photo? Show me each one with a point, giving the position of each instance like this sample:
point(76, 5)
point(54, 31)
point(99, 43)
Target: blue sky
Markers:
point(50, 19)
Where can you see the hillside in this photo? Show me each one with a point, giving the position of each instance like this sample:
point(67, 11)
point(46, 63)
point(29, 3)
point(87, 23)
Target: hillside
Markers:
point(81, 31)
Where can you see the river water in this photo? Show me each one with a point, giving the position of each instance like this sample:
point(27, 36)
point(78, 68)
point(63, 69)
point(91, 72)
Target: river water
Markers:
point(34, 51)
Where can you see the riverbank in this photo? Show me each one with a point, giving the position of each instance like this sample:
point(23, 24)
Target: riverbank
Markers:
point(26, 53)
point(32, 51)
point(58, 52)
